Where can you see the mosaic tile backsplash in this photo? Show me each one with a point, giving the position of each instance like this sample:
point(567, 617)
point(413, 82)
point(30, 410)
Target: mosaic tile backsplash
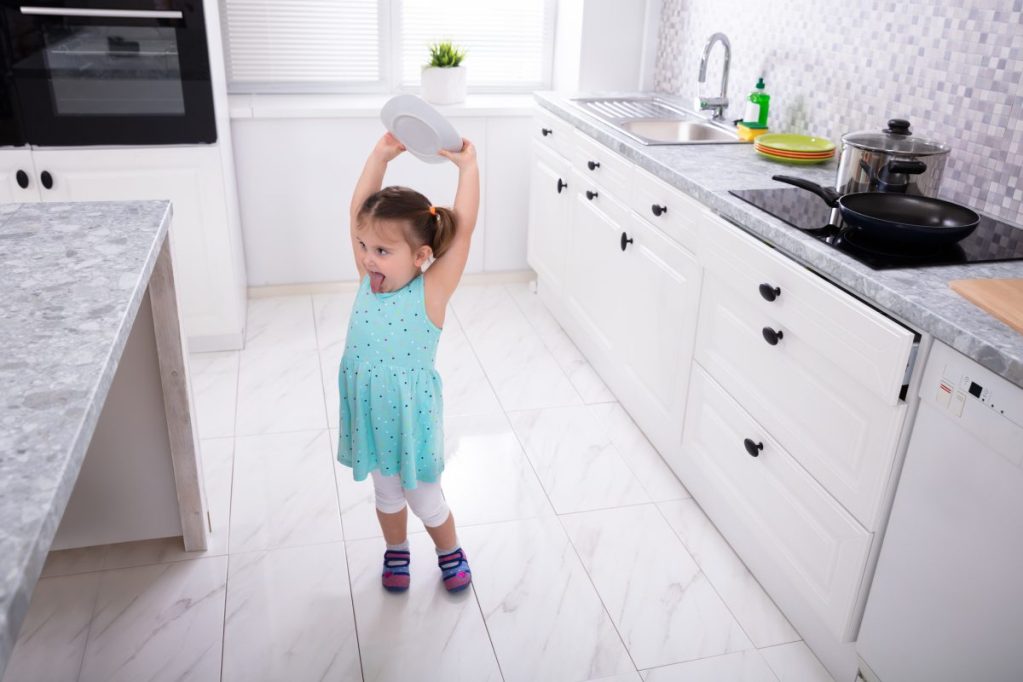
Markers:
point(833, 67)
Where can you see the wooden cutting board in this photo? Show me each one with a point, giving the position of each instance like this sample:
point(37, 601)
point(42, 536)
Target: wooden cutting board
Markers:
point(1002, 298)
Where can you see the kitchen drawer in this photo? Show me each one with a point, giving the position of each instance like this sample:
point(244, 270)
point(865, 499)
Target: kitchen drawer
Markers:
point(793, 536)
point(595, 161)
point(869, 348)
point(668, 209)
point(841, 432)
point(554, 133)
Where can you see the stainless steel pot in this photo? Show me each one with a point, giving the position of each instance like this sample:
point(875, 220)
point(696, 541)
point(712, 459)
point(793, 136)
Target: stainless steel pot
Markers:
point(891, 160)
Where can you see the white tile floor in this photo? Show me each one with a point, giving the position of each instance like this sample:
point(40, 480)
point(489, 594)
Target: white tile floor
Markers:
point(590, 560)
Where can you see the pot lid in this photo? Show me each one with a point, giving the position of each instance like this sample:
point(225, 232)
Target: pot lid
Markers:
point(896, 138)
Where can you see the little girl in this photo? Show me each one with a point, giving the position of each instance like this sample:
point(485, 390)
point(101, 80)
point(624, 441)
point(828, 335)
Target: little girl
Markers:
point(391, 404)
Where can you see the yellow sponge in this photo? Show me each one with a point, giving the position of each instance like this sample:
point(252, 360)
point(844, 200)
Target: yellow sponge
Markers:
point(747, 131)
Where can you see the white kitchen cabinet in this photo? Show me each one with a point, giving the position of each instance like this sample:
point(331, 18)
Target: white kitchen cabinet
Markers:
point(207, 256)
point(12, 163)
point(799, 542)
point(550, 204)
point(660, 291)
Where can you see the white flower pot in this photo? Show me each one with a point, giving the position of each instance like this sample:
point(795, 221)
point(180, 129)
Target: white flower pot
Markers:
point(443, 84)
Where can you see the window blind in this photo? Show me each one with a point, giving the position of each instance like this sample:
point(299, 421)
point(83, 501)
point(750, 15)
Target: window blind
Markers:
point(507, 42)
point(301, 44)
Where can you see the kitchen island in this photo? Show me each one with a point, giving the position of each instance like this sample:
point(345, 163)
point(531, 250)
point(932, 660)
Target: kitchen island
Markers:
point(97, 443)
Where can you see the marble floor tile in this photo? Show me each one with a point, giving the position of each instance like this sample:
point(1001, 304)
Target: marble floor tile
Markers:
point(751, 606)
point(544, 617)
point(578, 468)
point(53, 635)
point(661, 603)
point(522, 371)
point(487, 477)
point(467, 389)
point(279, 391)
point(742, 666)
point(330, 363)
point(572, 362)
point(621, 677)
point(331, 313)
point(147, 552)
point(214, 381)
point(284, 492)
point(795, 663)
point(218, 470)
point(289, 616)
point(73, 561)
point(639, 455)
point(281, 322)
point(423, 634)
point(161, 622)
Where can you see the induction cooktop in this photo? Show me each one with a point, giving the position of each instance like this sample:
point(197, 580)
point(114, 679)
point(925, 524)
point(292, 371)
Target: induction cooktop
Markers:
point(993, 240)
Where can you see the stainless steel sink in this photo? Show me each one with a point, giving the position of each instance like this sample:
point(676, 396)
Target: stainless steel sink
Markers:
point(653, 121)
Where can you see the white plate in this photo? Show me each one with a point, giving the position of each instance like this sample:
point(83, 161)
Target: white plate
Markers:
point(420, 127)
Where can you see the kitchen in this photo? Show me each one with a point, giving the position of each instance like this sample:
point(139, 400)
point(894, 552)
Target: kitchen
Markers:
point(642, 356)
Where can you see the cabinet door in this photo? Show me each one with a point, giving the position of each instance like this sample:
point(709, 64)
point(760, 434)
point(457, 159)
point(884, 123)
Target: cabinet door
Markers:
point(13, 162)
point(550, 202)
point(209, 285)
point(661, 288)
point(595, 271)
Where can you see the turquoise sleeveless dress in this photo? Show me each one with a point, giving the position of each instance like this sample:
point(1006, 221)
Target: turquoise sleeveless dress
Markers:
point(391, 401)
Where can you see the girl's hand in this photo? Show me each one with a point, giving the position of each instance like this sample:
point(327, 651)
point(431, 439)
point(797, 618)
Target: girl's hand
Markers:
point(388, 147)
point(463, 158)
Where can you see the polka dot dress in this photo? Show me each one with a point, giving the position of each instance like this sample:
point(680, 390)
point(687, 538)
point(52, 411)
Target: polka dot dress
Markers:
point(391, 402)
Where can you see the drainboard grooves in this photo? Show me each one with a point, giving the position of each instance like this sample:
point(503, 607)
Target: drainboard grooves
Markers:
point(630, 109)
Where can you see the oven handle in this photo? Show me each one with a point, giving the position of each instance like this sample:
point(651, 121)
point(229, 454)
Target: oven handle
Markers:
point(102, 13)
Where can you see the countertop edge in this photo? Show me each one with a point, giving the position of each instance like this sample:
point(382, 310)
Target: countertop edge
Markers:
point(13, 612)
point(842, 271)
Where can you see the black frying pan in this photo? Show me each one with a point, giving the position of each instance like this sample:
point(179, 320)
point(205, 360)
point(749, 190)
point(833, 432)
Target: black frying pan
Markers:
point(897, 217)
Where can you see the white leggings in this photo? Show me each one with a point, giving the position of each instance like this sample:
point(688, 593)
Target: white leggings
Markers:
point(426, 499)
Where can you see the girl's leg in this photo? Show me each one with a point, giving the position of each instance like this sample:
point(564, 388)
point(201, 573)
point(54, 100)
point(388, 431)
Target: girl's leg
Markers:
point(393, 515)
point(428, 503)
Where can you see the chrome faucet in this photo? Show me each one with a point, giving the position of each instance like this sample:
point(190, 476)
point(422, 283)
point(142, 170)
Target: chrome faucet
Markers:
point(719, 103)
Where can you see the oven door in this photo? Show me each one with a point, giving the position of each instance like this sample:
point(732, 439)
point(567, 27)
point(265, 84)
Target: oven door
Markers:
point(111, 72)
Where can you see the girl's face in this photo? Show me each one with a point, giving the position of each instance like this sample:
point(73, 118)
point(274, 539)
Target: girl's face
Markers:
point(389, 260)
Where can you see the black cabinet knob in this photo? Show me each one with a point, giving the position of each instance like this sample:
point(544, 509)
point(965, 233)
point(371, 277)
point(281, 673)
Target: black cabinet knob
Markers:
point(46, 179)
point(753, 448)
point(593, 165)
point(772, 336)
point(22, 178)
point(626, 240)
point(561, 185)
point(769, 293)
point(658, 210)
point(546, 131)
point(591, 195)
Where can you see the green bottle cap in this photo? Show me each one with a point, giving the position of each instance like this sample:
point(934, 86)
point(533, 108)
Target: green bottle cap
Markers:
point(760, 83)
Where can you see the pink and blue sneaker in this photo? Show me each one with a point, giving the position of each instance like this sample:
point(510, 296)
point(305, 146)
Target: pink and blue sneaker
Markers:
point(455, 570)
point(396, 577)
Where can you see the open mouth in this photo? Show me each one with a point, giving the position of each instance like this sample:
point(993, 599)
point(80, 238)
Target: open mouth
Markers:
point(376, 281)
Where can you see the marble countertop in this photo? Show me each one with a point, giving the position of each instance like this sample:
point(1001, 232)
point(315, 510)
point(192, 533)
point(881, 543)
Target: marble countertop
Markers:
point(918, 297)
point(72, 277)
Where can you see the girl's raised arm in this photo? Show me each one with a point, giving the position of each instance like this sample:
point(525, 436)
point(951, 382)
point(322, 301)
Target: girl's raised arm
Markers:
point(446, 271)
point(371, 180)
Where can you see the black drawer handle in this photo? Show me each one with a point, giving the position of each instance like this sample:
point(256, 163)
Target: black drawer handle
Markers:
point(546, 131)
point(591, 195)
point(22, 178)
point(47, 179)
point(772, 336)
point(753, 448)
point(593, 165)
point(769, 293)
point(658, 210)
point(626, 240)
point(561, 185)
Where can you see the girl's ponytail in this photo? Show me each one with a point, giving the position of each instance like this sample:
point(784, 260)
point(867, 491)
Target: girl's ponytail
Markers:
point(444, 230)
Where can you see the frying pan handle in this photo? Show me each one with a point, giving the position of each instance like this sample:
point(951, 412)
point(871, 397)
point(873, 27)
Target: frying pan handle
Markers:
point(826, 193)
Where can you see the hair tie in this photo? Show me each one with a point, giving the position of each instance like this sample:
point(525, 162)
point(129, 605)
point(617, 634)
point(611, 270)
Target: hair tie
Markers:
point(433, 210)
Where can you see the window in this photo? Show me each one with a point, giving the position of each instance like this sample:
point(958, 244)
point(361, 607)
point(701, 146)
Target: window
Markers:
point(367, 46)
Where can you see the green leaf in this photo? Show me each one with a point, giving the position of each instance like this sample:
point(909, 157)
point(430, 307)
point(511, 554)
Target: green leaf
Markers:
point(444, 54)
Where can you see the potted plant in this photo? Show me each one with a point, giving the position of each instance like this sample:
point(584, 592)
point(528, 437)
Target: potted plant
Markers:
point(443, 79)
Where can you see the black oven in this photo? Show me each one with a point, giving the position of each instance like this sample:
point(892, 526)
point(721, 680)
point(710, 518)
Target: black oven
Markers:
point(105, 72)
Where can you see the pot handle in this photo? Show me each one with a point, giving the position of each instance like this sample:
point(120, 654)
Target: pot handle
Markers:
point(906, 166)
point(826, 193)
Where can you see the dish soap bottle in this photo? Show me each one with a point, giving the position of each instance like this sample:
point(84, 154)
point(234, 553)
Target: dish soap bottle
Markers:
point(756, 106)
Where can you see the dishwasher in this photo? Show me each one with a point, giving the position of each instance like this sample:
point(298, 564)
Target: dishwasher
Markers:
point(946, 602)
